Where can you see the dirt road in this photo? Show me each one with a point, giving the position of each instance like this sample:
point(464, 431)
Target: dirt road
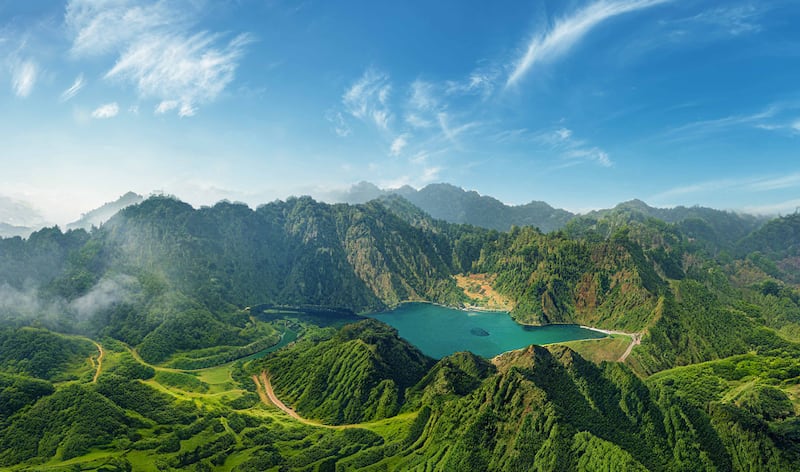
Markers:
point(636, 339)
point(99, 361)
point(268, 397)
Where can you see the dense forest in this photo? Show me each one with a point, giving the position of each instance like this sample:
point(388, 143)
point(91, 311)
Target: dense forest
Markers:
point(138, 345)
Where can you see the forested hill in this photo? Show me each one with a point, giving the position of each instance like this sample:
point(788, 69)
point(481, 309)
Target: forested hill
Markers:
point(161, 267)
point(715, 229)
point(712, 386)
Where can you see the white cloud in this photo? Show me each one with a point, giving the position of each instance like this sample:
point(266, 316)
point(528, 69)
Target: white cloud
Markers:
point(796, 126)
point(429, 174)
point(785, 207)
point(24, 77)
point(73, 89)
point(479, 82)
point(417, 121)
point(367, 99)
point(777, 183)
point(732, 20)
point(568, 31)
point(109, 110)
point(166, 106)
point(751, 185)
point(187, 110)
point(699, 129)
point(399, 144)
point(563, 133)
point(156, 49)
point(104, 27)
point(590, 154)
point(709, 186)
point(189, 70)
point(422, 96)
point(450, 132)
point(340, 126)
point(563, 141)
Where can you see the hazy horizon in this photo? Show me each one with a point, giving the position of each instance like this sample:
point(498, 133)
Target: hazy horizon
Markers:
point(581, 104)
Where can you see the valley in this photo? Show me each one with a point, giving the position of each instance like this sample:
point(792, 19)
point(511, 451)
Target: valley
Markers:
point(235, 339)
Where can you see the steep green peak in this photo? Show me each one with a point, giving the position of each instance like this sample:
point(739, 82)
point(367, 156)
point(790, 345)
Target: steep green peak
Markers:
point(369, 331)
point(635, 204)
point(469, 363)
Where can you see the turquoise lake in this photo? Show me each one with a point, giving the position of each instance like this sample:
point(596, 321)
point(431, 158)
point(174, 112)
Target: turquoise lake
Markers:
point(439, 331)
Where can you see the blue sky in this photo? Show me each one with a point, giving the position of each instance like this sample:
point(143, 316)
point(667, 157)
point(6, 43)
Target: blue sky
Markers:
point(582, 104)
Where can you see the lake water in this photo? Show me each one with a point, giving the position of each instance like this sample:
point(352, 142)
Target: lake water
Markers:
point(439, 331)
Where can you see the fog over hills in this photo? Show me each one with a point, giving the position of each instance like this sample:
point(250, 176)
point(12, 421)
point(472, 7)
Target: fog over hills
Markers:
point(102, 214)
point(18, 218)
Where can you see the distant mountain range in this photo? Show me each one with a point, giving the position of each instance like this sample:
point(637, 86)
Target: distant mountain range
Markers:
point(18, 218)
point(453, 204)
point(102, 214)
point(456, 205)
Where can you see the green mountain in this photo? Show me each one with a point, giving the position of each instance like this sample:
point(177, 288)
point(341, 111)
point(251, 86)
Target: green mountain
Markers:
point(549, 409)
point(713, 229)
point(162, 267)
point(186, 305)
point(555, 279)
point(775, 248)
point(456, 205)
point(361, 374)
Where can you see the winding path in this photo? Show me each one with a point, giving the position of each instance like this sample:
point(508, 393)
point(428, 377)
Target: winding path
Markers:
point(268, 397)
point(99, 361)
point(636, 339)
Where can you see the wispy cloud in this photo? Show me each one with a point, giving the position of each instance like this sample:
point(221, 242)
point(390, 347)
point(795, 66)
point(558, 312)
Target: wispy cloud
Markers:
point(776, 183)
point(785, 207)
point(480, 82)
point(593, 154)
point(429, 174)
point(105, 27)
point(703, 127)
point(399, 144)
point(732, 20)
point(109, 110)
point(700, 187)
point(367, 99)
point(24, 75)
point(184, 108)
point(190, 70)
point(156, 49)
point(421, 96)
point(452, 132)
point(562, 140)
point(166, 106)
point(569, 31)
point(73, 89)
point(757, 184)
point(340, 126)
